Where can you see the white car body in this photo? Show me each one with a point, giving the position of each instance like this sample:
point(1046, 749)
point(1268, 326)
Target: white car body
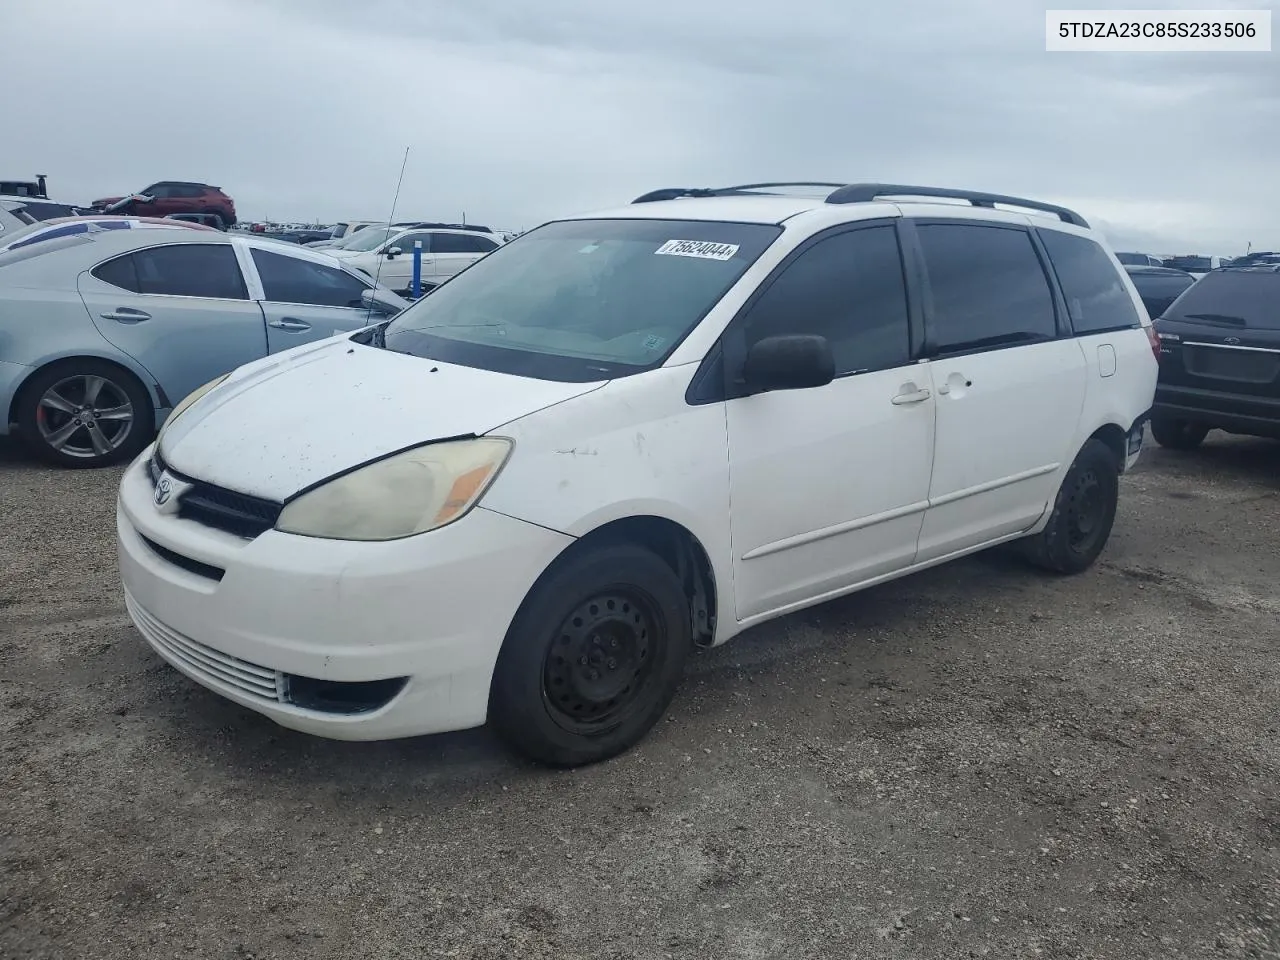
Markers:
point(793, 497)
point(395, 269)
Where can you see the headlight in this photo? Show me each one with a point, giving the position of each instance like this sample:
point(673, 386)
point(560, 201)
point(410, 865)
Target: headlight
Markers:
point(411, 492)
point(185, 403)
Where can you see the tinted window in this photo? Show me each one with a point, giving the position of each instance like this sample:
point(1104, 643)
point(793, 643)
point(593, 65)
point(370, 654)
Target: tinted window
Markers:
point(1242, 299)
point(188, 191)
point(1159, 290)
point(158, 191)
point(1189, 263)
point(988, 287)
point(460, 243)
point(1096, 296)
point(291, 280)
point(406, 242)
point(848, 288)
point(191, 270)
point(119, 272)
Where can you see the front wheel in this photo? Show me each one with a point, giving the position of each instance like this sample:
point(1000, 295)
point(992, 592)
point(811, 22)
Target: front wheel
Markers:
point(1178, 434)
point(1083, 513)
point(593, 657)
point(85, 413)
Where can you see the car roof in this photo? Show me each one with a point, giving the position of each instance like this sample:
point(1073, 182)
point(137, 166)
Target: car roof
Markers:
point(767, 203)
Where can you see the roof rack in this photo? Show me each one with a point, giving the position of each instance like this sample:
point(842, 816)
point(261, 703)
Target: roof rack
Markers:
point(867, 193)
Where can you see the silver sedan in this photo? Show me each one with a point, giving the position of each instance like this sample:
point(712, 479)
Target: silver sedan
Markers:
point(102, 333)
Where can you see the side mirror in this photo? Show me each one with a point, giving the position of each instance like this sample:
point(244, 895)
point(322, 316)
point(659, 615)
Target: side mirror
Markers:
point(791, 362)
point(394, 252)
point(382, 303)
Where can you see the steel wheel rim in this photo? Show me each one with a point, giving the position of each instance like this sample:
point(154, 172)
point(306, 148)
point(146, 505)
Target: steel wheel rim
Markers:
point(1085, 510)
point(85, 416)
point(602, 660)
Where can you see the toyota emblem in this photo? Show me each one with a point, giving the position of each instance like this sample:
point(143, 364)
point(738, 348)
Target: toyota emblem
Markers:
point(164, 490)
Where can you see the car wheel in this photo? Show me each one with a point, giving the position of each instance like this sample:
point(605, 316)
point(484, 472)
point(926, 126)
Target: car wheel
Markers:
point(592, 658)
point(1178, 434)
point(1084, 512)
point(85, 413)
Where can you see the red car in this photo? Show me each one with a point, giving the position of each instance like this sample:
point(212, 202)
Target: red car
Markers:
point(172, 196)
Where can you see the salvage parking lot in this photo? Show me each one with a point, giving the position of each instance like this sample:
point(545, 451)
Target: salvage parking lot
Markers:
point(975, 761)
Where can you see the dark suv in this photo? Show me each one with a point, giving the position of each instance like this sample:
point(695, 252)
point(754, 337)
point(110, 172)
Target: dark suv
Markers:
point(1220, 358)
point(173, 196)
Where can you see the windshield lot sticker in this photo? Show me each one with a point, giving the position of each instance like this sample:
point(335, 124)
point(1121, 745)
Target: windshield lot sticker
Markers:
point(703, 249)
point(654, 342)
point(590, 248)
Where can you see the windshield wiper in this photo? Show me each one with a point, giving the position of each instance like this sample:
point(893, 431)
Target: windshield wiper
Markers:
point(1225, 319)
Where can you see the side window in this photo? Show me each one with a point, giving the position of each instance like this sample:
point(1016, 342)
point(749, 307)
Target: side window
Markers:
point(158, 191)
point(405, 243)
point(119, 272)
point(191, 270)
point(188, 191)
point(848, 288)
point(292, 280)
point(460, 243)
point(988, 287)
point(1097, 298)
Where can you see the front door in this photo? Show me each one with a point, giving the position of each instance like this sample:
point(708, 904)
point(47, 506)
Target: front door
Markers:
point(304, 301)
point(182, 310)
point(396, 272)
point(1009, 384)
point(829, 485)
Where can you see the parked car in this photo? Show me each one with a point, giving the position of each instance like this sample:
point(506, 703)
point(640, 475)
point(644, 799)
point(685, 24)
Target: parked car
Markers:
point(18, 212)
point(210, 220)
point(105, 331)
point(1138, 260)
point(69, 226)
point(389, 257)
point(173, 196)
point(1220, 358)
point(341, 229)
point(1159, 286)
point(525, 498)
point(39, 187)
point(1195, 265)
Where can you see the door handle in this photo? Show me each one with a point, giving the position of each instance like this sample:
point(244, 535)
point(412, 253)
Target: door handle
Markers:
point(914, 397)
point(126, 315)
point(289, 323)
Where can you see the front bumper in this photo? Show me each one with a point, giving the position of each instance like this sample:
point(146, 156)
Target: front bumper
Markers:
point(241, 616)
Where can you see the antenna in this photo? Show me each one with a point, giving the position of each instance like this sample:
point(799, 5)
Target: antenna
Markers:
point(390, 220)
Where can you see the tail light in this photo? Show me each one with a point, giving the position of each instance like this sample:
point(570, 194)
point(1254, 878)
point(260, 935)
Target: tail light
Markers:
point(1154, 339)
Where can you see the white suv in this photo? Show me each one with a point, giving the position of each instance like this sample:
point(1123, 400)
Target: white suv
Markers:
point(526, 497)
point(389, 257)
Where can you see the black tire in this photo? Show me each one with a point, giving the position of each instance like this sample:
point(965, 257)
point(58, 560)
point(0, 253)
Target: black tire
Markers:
point(1178, 434)
point(593, 657)
point(1084, 512)
point(59, 394)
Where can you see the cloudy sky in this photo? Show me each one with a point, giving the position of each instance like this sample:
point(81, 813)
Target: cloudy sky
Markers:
point(515, 111)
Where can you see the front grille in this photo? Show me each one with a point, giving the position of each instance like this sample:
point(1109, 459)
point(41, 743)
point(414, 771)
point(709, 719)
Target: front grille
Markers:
point(208, 664)
point(186, 563)
point(213, 506)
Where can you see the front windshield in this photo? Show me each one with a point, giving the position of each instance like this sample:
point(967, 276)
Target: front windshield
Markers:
point(582, 300)
point(370, 238)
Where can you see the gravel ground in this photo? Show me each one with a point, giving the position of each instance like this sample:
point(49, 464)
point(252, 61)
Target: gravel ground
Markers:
point(976, 761)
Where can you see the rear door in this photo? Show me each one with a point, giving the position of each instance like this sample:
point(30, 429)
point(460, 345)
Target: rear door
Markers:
point(303, 300)
point(1009, 383)
point(1223, 336)
point(182, 310)
point(451, 253)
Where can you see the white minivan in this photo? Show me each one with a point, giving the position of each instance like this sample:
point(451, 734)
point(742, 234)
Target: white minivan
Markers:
point(525, 498)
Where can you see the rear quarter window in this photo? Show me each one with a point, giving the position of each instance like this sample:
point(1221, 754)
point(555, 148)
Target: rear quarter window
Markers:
point(1096, 295)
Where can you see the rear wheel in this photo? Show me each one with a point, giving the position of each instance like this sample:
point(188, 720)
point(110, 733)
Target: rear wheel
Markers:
point(1178, 434)
point(593, 658)
point(85, 413)
point(1083, 513)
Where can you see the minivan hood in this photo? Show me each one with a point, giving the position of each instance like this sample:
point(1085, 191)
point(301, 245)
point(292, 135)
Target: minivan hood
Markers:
point(297, 418)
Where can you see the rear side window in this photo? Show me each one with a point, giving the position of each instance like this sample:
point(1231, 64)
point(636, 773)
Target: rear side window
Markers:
point(190, 270)
point(1241, 299)
point(1096, 296)
point(460, 243)
point(119, 272)
point(987, 285)
point(848, 288)
point(292, 280)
